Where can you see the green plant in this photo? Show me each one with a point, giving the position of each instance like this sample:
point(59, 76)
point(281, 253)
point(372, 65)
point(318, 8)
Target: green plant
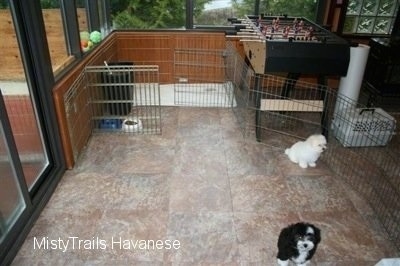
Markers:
point(295, 8)
point(3, 4)
point(147, 14)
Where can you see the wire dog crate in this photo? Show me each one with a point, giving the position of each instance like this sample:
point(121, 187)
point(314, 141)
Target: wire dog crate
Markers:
point(280, 110)
point(200, 78)
point(298, 109)
point(124, 98)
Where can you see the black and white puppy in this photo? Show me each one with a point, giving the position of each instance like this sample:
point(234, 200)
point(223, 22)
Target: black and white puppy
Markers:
point(298, 243)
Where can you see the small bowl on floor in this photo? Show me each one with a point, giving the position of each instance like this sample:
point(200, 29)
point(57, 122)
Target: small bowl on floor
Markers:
point(132, 124)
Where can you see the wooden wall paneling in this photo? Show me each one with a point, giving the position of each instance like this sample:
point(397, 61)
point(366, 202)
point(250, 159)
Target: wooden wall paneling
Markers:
point(201, 54)
point(58, 97)
point(158, 48)
point(143, 48)
point(205, 54)
point(80, 124)
point(11, 67)
point(151, 48)
point(55, 36)
point(200, 40)
point(74, 142)
point(237, 44)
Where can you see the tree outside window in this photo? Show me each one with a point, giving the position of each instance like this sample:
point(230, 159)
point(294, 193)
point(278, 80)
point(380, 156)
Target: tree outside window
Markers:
point(293, 8)
point(148, 14)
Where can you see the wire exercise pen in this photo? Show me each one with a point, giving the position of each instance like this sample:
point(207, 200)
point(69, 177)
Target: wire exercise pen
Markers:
point(283, 104)
point(119, 98)
point(200, 78)
point(278, 111)
point(78, 114)
point(124, 98)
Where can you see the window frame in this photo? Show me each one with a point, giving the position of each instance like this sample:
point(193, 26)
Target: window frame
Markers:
point(92, 15)
point(30, 30)
point(71, 27)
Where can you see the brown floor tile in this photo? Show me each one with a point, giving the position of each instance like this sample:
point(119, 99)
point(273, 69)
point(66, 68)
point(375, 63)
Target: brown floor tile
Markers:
point(225, 198)
point(206, 239)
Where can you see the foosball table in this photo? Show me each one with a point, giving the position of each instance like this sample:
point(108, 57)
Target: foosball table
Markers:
point(292, 45)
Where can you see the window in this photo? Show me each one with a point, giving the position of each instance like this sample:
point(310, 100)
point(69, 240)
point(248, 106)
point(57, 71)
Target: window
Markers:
point(12, 202)
point(21, 109)
point(84, 31)
point(217, 12)
point(103, 17)
point(92, 23)
point(60, 23)
point(213, 12)
point(171, 13)
point(148, 14)
point(370, 16)
point(305, 8)
point(55, 34)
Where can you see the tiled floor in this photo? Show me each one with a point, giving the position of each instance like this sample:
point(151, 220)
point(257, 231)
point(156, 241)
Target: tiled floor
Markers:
point(223, 198)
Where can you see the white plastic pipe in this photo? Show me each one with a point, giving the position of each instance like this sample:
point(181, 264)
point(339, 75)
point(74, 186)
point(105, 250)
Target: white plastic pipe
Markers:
point(350, 85)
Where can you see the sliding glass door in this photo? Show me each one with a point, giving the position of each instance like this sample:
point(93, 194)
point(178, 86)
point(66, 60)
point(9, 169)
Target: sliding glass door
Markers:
point(21, 109)
point(31, 157)
point(12, 200)
point(25, 129)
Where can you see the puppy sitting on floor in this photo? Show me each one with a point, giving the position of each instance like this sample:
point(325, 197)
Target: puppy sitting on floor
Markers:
point(307, 152)
point(298, 243)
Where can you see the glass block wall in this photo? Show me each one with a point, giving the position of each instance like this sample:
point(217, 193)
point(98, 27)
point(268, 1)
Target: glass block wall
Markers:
point(370, 16)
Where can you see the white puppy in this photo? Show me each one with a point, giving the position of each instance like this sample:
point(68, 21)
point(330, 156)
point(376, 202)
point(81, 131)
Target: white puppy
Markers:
point(307, 152)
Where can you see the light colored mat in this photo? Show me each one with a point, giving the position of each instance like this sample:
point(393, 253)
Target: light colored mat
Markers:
point(185, 94)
